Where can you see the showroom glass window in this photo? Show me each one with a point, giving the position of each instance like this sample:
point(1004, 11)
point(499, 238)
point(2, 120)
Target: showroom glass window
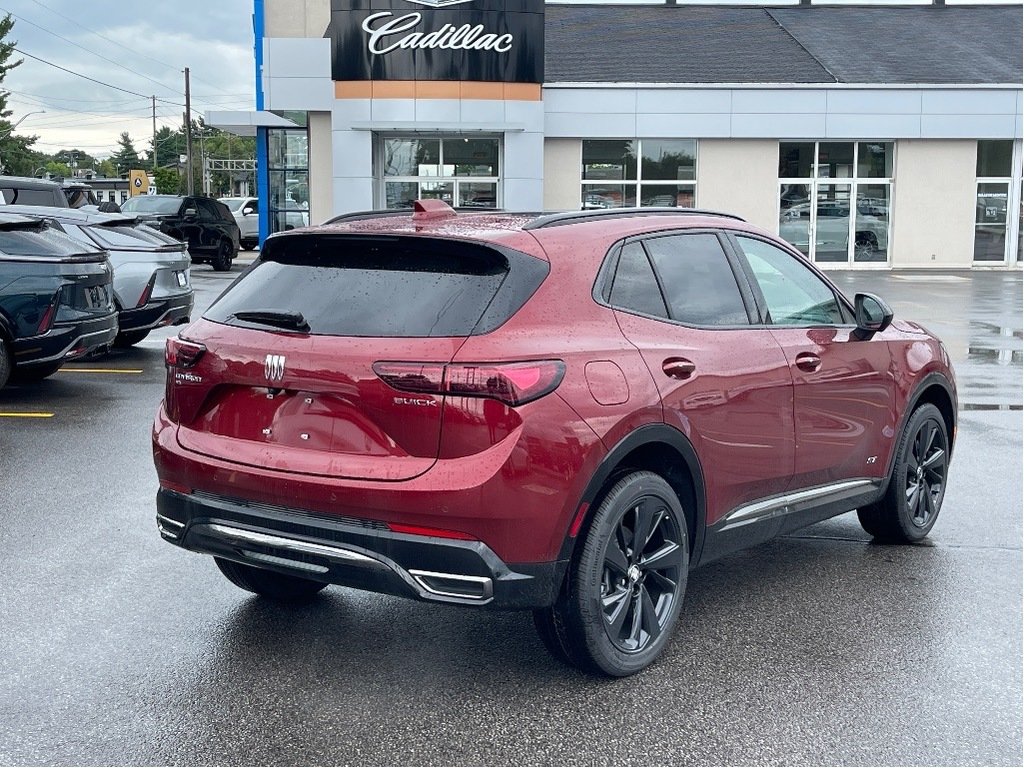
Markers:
point(835, 199)
point(624, 173)
point(460, 170)
point(993, 211)
point(288, 170)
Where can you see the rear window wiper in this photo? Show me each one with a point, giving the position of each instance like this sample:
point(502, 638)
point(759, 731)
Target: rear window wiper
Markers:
point(292, 321)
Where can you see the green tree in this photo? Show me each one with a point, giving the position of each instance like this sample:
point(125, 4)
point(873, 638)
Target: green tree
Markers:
point(169, 146)
point(168, 181)
point(15, 153)
point(106, 168)
point(60, 170)
point(75, 158)
point(126, 158)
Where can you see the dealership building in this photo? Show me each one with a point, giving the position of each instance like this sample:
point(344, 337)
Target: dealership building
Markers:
point(875, 136)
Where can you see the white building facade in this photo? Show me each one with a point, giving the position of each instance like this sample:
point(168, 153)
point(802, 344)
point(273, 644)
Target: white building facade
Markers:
point(884, 137)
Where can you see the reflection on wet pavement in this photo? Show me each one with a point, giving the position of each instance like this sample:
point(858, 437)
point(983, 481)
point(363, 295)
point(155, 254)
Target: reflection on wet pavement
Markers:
point(976, 314)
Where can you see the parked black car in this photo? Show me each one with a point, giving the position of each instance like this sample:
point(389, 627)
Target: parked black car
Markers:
point(205, 224)
point(56, 299)
point(20, 190)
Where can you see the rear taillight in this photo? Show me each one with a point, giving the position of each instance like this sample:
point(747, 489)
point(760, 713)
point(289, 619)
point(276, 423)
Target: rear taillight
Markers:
point(147, 292)
point(46, 321)
point(179, 354)
point(182, 353)
point(422, 530)
point(511, 383)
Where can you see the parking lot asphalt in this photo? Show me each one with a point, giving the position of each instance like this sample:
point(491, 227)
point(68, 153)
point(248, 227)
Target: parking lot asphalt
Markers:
point(816, 648)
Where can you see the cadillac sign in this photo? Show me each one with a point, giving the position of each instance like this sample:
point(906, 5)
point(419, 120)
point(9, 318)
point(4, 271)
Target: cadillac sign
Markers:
point(474, 40)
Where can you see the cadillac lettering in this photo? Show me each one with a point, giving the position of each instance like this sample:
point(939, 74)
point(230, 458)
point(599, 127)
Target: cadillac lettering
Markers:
point(468, 37)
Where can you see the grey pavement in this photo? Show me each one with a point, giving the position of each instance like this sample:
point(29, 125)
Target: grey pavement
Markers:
point(816, 648)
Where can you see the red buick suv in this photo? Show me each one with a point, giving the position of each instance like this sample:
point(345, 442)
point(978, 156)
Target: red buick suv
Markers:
point(563, 413)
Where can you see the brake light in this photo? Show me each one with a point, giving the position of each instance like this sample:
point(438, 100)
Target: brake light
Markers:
point(147, 292)
point(421, 530)
point(46, 322)
point(182, 353)
point(511, 383)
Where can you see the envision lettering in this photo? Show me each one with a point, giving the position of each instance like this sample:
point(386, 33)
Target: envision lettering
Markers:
point(467, 37)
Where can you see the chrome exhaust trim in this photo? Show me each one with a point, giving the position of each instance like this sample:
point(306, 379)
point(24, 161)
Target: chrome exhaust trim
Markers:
point(477, 587)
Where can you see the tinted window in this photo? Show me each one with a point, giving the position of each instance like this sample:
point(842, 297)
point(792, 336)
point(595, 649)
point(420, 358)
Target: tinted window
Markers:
point(794, 294)
point(398, 287)
point(635, 287)
point(41, 242)
point(207, 210)
point(151, 204)
point(699, 283)
point(15, 196)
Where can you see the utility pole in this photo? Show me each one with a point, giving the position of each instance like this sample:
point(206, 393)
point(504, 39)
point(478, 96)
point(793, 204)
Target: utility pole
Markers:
point(154, 133)
point(188, 136)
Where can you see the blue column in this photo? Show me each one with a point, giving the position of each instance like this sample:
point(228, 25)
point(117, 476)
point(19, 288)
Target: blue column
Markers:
point(262, 172)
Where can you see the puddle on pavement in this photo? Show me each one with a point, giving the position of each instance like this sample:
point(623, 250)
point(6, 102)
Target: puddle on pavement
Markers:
point(1000, 356)
point(990, 407)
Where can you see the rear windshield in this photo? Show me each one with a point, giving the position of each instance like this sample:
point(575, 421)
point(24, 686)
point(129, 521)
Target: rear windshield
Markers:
point(150, 204)
point(384, 287)
point(42, 241)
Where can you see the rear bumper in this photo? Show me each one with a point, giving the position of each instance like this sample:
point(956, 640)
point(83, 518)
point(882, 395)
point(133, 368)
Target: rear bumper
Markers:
point(173, 310)
point(67, 340)
point(362, 554)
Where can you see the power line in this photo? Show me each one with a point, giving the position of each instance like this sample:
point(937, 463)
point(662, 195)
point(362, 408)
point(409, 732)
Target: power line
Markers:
point(87, 50)
point(92, 79)
point(125, 47)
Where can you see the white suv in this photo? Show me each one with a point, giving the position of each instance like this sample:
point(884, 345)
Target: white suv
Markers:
point(246, 213)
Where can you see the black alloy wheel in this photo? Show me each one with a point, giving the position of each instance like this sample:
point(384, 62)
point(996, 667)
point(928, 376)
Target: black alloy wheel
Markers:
point(917, 485)
point(640, 580)
point(222, 260)
point(626, 582)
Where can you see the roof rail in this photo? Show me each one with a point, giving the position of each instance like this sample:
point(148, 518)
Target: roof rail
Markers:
point(386, 212)
point(576, 217)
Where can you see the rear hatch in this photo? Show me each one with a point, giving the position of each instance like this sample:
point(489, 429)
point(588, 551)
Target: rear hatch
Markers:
point(129, 241)
point(289, 369)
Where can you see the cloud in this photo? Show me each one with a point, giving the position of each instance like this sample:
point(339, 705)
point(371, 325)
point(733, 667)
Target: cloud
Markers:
point(141, 48)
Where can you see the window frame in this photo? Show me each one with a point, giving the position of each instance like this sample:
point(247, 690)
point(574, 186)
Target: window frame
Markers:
point(605, 278)
point(382, 179)
point(638, 183)
point(845, 305)
point(855, 182)
point(1014, 194)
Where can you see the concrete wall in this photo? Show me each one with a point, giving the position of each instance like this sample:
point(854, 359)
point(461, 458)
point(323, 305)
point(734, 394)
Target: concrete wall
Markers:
point(321, 187)
point(740, 176)
point(288, 18)
point(933, 203)
point(562, 167)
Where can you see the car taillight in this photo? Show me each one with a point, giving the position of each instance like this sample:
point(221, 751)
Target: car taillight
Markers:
point(422, 530)
point(182, 353)
point(147, 292)
point(511, 383)
point(46, 321)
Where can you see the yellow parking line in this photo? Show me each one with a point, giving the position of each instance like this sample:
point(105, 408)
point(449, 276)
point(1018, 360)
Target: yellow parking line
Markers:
point(66, 369)
point(24, 415)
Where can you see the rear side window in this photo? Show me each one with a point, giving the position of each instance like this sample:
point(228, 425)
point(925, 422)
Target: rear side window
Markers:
point(635, 287)
point(384, 287)
point(699, 284)
point(15, 196)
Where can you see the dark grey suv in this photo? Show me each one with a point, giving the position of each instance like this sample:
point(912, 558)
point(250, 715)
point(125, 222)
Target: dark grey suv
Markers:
point(205, 224)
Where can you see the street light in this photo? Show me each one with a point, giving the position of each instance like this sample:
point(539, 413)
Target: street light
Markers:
point(11, 129)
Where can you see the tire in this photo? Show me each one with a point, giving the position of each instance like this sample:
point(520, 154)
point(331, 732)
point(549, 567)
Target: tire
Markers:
point(620, 604)
point(222, 260)
point(130, 338)
point(5, 362)
point(865, 247)
point(31, 374)
point(913, 498)
point(270, 584)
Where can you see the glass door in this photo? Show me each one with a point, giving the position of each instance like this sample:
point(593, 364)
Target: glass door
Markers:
point(831, 223)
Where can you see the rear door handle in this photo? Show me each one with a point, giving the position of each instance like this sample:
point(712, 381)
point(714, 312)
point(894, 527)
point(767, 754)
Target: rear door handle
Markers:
point(678, 367)
point(808, 361)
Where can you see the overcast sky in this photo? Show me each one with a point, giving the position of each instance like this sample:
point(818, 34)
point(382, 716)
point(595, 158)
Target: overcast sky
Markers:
point(138, 46)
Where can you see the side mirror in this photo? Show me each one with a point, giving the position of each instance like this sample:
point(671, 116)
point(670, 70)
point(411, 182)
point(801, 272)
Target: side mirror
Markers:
point(872, 313)
point(191, 213)
point(247, 211)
